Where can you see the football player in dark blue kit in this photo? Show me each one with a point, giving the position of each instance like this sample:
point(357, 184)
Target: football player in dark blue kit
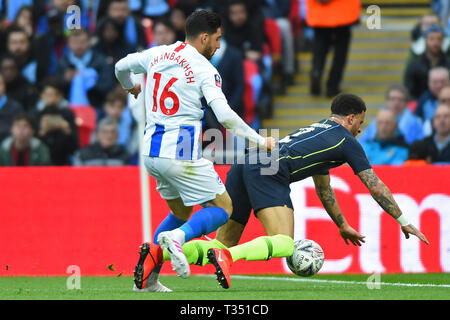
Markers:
point(308, 152)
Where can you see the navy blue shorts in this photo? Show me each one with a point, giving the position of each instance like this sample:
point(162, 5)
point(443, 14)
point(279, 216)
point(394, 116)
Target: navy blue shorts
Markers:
point(249, 190)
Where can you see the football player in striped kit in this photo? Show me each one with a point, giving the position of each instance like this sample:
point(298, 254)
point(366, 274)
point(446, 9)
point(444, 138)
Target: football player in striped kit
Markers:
point(178, 77)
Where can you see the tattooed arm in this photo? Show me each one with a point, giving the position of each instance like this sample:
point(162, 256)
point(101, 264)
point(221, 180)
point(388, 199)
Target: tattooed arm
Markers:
point(380, 192)
point(384, 197)
point(329, 202)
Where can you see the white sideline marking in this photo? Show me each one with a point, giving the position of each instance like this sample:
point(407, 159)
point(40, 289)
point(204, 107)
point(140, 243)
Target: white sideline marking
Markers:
point(397, 284)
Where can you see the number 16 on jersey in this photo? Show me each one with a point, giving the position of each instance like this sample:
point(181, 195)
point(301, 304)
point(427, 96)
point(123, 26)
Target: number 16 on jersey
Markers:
point(164, 95)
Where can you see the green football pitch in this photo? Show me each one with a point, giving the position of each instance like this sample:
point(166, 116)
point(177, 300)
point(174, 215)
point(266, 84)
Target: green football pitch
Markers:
point(262, 287)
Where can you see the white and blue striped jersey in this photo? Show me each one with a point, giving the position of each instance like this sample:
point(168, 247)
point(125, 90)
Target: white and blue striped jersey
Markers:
point(178, 77)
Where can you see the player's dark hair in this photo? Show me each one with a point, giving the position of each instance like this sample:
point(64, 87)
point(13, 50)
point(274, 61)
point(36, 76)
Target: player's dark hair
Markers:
point(202, 21)
point(347, 103)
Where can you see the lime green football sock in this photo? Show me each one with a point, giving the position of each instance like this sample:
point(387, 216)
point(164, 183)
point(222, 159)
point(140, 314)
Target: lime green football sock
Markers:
point(264, 248)
point(196, 251)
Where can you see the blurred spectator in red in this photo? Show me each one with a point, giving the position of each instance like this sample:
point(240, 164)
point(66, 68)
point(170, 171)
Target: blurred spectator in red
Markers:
point(438, 78)
point(388, 146)
point(84, 72)
point(22, 148)
point(332, 21)
point(416, 74)
point(17, 87)
point(279, 11)
point(8, 109)
point(409, 125)
point(163, 33)
point(130, 27)
point(55, 122)
point(106, 151)
point(436, 147)
point(110, 43)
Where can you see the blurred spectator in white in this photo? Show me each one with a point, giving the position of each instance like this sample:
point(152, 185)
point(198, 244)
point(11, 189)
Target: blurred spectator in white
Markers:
point(438, 78)
point(8, 109)
point(389, 146)
point(17, 86)
point(409, 125)
point(436, 147)
point(419, 42)
point(22, 148)
point(416, 74)
point(105, 151)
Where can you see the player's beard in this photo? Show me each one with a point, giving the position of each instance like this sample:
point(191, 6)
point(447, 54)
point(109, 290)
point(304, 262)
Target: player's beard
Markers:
point(209, 51)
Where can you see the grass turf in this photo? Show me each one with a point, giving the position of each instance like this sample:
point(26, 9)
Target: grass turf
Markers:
point(319, 287)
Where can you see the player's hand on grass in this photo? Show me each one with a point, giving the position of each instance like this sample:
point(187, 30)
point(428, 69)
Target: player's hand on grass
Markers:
point(350, 234)
point(410, 229)
point(135, 90)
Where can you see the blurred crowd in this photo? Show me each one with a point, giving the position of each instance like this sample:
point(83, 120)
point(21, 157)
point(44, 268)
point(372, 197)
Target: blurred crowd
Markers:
point(60, 103)
point(414, 126)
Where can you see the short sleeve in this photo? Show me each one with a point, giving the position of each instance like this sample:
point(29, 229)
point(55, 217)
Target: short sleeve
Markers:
point(355, 155)
point(212, 86)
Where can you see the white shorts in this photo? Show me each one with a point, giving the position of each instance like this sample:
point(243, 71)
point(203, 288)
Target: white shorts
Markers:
point(195, 181)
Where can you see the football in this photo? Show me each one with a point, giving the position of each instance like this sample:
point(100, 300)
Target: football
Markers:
point(307, 258)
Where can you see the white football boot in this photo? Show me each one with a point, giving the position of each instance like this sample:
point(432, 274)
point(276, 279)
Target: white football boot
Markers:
point(171, 241)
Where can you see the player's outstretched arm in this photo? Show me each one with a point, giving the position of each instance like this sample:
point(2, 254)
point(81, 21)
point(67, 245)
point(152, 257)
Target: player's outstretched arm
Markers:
point(329, 202)
point(384, 197)
point(232, 122)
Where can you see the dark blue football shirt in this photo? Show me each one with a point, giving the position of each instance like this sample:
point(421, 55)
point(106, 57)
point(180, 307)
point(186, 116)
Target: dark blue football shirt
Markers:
point(315, 149)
